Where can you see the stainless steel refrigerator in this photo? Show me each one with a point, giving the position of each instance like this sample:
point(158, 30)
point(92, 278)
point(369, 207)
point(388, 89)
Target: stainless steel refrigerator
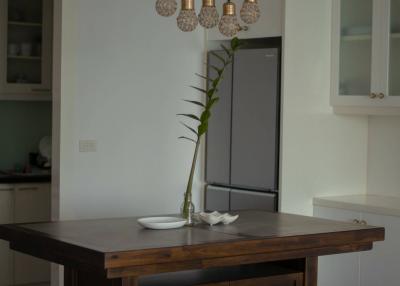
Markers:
point(242, 153)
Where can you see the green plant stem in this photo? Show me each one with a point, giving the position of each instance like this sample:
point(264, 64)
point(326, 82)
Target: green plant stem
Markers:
point(188, 193)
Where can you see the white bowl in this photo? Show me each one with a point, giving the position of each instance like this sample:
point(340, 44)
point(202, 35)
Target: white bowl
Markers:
point(162, 222)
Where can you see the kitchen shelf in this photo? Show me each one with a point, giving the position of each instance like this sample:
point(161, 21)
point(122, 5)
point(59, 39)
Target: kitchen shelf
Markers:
point(351, 38)
point(23, 58)
point(24, 24)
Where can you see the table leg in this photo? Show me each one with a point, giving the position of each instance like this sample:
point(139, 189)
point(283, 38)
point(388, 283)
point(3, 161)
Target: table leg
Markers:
point(311, 271)
point(74, 277)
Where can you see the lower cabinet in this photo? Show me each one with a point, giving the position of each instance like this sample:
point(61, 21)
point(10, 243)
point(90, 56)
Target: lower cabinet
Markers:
point(23, 203)
point(380, 266)
point(6, 216)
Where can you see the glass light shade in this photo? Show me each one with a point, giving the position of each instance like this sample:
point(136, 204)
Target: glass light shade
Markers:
point(229, 26)
point(208, 17)
point(250, 12)
point(187, 20)
point(166, 8)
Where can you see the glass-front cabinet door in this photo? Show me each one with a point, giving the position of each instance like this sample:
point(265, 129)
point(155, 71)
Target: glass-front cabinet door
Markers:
point(356, 27)
point(26, 47)
point(394, 58)
point(366, 56)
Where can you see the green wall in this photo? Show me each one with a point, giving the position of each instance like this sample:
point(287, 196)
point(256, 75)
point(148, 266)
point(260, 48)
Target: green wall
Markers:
point(22, 125)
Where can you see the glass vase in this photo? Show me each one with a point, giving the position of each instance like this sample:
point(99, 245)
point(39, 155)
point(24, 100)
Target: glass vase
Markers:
point(188, 209)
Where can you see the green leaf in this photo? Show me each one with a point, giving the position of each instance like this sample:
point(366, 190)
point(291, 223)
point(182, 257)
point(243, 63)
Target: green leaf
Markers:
point(204, 77)
point(195, 102)
point(199, 89)
point(218, 70)
point(190, 128)
point(203, 128)
point(211, 92)
point(211, 102)
point(218, 57)
point(227, 51)
point(205, 116)
point(187, 138)
point(192, 116)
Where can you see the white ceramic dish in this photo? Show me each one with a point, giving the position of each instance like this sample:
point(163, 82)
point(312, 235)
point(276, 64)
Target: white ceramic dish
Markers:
point(216, 218)
point(162, 222)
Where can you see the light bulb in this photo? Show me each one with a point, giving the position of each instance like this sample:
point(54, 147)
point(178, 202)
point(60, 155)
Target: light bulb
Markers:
point(229, 25)
point(166, 8)
point(187, 20)
point(208, 16)
point(250, 12)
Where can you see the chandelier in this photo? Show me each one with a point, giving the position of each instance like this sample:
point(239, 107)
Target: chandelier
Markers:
point(208, 17)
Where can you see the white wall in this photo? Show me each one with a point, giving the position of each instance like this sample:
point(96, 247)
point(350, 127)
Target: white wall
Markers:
point(384, 156)
point(269, 25)
point(124, 73)
point(323, 154)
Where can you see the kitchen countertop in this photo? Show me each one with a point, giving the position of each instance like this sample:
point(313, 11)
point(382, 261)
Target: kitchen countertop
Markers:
point(18, 179)
point(376, 204)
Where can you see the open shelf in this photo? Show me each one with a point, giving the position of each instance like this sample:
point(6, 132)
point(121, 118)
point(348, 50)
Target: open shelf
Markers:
point(24, 24)
point(23, 58)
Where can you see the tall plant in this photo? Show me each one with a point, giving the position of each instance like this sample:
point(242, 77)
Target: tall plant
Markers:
point(211, 99)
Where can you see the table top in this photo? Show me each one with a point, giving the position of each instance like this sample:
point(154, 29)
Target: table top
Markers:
point(111, 243)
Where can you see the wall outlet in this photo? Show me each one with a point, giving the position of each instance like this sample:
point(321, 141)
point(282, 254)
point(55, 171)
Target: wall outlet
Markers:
point(86, 146)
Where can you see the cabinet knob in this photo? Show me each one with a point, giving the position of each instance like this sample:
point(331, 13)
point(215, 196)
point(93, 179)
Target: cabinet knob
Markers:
point(356, 221)
point(381, 95)
point(373, 95)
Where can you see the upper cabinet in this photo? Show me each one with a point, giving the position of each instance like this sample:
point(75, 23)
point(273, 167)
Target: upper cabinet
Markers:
point(25, 49)
point(366, 56)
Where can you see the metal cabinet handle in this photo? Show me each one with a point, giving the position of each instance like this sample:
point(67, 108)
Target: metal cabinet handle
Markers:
point(381, 95)
point(373, 95)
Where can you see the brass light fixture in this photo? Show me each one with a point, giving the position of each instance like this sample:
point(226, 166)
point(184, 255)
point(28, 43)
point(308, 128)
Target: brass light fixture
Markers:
point(187, 19)
point(250, 12)
point(229, 25)
point(208, 17)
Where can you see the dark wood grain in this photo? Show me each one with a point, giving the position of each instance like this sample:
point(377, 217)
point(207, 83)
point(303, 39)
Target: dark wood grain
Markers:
point(117, 249)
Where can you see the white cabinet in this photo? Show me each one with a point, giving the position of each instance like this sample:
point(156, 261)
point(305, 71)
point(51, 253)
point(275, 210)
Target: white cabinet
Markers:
point(23, 203)
point(341, 269)
point(32, 204)
point(6, 216)
point(26, 49)
point(366, 56)
point(380, 266)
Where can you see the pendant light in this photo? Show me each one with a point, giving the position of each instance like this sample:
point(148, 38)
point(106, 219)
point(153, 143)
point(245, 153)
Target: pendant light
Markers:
point(187, 20)
point(208, 17)
point(229, 26)
point(166, 8)
point(250, 12)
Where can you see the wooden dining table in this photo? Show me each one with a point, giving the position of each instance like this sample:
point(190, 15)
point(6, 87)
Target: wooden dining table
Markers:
point(259, 249)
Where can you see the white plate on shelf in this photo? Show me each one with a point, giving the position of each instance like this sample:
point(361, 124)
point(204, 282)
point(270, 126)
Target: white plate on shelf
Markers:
point(162, 222)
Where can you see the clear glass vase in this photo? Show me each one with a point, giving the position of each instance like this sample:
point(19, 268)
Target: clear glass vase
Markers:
point(188, 209)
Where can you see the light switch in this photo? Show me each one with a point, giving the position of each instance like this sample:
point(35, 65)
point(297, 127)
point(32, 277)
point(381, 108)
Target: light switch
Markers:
point(86, 146)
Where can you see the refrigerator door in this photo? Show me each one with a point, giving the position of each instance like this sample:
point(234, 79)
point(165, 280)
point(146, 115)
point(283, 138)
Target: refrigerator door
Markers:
point(219, 129)
point(217, 199)
point(250, 200)
point(255, 122)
